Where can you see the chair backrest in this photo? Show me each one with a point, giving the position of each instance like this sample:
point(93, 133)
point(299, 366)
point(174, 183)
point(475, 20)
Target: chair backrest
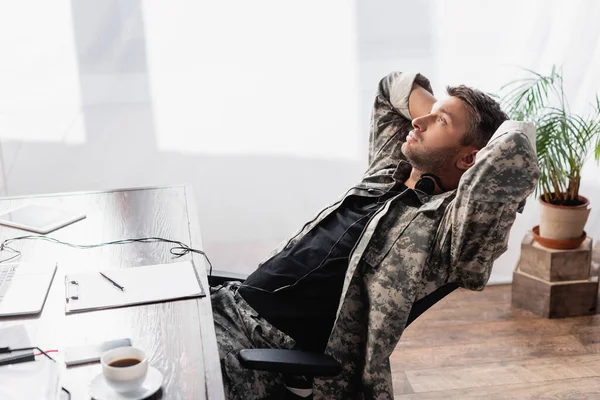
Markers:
point(426, 302)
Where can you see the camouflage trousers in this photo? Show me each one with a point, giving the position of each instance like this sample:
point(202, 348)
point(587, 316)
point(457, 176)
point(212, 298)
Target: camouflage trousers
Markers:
point(238, 326)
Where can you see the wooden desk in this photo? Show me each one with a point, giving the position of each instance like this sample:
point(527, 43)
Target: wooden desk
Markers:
point(178, 336)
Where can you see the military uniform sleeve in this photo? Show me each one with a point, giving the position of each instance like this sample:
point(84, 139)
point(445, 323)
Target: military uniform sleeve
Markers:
point(391, 120)
point(487, 200)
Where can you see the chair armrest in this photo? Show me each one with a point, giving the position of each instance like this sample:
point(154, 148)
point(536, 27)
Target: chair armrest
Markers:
point(219, 277)
point(290, 362)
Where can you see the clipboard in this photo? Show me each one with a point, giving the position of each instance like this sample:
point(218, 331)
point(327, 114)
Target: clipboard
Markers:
point(141, 285)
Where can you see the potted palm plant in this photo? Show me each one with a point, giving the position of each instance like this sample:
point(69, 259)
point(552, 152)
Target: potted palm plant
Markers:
point(564, 142)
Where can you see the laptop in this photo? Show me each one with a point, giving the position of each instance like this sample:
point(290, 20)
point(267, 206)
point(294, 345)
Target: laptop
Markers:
point(24, 288)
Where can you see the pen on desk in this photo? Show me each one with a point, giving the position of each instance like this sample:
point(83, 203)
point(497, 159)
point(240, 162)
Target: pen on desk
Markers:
point(113, 282)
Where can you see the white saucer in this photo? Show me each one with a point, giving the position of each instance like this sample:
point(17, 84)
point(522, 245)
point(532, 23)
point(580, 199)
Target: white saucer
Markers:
point(99, 389)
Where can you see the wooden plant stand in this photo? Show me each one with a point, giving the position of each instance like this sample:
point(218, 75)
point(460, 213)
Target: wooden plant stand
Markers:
point(555, 283)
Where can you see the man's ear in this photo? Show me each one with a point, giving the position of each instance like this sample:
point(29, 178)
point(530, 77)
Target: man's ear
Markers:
point(467, 160)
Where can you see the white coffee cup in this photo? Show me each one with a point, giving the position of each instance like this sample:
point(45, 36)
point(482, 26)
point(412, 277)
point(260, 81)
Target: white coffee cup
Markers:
point(124, 379)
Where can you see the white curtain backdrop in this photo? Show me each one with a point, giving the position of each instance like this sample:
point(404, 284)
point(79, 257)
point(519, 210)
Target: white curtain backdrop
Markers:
point(263, 106)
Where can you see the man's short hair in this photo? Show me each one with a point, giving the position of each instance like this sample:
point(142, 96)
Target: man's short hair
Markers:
point(486, 115)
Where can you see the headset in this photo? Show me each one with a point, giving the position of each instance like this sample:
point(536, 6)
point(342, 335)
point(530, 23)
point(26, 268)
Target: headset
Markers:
point(427, 182)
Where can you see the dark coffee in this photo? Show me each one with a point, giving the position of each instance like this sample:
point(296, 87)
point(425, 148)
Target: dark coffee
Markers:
point(124, 362)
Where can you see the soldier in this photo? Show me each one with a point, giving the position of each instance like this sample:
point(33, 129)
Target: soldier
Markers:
point(435, 206)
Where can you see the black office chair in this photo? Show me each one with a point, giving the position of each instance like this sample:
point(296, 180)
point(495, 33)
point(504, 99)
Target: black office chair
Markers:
point(308, 365)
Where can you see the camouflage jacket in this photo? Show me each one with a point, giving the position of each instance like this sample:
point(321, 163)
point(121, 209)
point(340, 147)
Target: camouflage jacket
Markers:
point(407, 252)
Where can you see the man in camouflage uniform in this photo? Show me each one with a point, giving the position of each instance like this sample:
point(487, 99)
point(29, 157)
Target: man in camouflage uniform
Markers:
point(416, 234)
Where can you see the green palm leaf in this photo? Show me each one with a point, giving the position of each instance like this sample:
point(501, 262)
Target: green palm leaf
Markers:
point(564, 140)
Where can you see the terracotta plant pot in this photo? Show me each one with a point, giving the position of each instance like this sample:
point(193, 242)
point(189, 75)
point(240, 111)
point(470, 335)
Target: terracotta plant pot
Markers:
point(565, 244)
point(563, 222)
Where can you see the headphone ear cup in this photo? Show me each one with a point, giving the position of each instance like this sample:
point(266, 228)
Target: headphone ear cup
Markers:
point(425, 185)
point(430, 180)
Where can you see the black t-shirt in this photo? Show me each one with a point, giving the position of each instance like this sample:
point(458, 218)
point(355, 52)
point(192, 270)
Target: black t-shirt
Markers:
point(298, 290)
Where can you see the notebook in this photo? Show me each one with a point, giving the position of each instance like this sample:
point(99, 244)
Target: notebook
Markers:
point(15, 337)
point(141, 285)
point(36, 380)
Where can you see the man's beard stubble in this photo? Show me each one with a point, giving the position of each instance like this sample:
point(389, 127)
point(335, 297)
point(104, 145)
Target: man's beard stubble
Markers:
point(432, 161)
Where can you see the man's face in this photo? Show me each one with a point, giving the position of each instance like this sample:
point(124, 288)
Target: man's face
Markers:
point(434, 145)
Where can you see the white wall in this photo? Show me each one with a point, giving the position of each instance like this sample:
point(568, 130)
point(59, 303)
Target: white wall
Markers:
point(263, 106)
